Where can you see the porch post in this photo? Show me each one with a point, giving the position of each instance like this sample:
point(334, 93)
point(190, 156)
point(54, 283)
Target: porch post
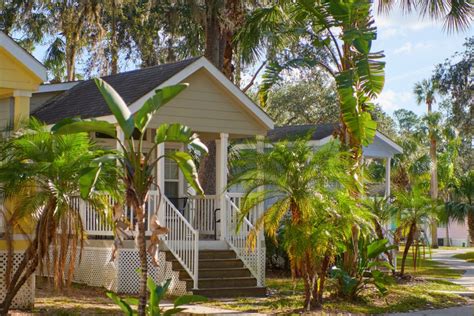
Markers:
point(21, 107)
point(120, 136)
point(260, 237)
point(221, 179)
point(387, 176)
point(160, 180)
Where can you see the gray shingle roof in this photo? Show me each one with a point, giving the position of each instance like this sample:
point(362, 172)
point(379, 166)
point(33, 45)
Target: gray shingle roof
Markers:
point(318, 131)
point(84, 100)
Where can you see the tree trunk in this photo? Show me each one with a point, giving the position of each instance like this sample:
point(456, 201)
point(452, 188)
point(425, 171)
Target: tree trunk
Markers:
point(470, 226)
point(143, 260)
point(433, 180)
point(207, 169)
point(25, 269)
point(213, 33)
point(448, 242)
point(408, 243)
point(70, 61)
point(113, 41)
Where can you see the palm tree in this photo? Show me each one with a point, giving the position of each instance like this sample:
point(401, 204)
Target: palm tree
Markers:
point(413, 211)
point(425, 93)
point(457, 15)
point(347, 57)
point(311, 205)
point(462, 204)
point(138, 164)
point(40, 175)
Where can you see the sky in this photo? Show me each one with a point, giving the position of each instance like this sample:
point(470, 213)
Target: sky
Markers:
point(412, 46)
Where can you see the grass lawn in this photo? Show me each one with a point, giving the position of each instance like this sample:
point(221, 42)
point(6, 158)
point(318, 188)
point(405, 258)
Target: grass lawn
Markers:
point(417, 294)
point(429, 269)
point(422, 292)
point(468, 256)
point(285, 296)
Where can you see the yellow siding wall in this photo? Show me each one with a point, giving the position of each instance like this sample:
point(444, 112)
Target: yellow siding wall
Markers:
point(15, 75)
point(206, 107)
point(5, 115)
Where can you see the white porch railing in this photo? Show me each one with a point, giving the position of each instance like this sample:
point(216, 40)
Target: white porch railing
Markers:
point(238, 239)
point(182, 239)
point(201, 212)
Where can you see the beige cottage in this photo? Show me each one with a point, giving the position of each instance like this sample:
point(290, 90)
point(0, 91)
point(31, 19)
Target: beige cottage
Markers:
point(203, 252)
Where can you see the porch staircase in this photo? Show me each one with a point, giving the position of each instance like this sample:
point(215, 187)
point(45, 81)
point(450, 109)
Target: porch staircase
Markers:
point(221, 274)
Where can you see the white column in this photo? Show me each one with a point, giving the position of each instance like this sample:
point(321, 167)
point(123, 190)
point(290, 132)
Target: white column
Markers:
point(160, 180)
point(387, 176)
point(121, 137)
point(221, 179)
point(260, 237)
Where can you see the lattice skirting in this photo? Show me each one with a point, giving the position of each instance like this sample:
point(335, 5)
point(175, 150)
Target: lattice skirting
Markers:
point(120, 275)
point(25, 298)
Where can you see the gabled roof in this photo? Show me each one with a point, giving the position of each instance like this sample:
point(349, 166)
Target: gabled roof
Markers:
point(323, 133)
point(291, 132)
point(23, 56)
point(84, 100)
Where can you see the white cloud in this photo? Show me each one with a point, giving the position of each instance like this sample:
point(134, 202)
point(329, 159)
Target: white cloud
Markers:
point(408, 47)
point(391, 100)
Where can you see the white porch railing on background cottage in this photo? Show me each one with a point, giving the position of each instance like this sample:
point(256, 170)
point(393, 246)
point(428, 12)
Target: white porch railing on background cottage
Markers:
point(201, 212)
point(182, 239)
point(238, 237)
point(95, 223)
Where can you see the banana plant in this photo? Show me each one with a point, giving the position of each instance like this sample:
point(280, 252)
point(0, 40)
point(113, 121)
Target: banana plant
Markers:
point(138, 165)
point(157, 293)
point(347, 56)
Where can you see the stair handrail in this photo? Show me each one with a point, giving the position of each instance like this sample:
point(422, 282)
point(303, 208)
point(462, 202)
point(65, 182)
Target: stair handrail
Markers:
point(182, 239)
point(238, 242)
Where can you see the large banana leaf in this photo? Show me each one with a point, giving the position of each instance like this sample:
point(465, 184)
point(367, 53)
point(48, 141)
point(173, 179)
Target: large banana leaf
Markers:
point(179, 133)
point(117, 106)
point(144, 115)
point(71, 126)
point(188, 168)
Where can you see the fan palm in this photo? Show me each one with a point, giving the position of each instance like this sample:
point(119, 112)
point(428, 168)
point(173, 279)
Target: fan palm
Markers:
point(425, 92)
point(311, 205)
point(457, 15)
point(40, 175)
point(414, 211)
point(462, 206)
point(139, 165)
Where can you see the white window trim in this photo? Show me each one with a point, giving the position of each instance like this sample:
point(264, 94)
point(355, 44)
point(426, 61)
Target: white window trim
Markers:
point(180, 180)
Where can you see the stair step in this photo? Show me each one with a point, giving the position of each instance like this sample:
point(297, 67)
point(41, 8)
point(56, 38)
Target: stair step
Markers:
point(216, 254)
point(219, 273)
point(211, 283)
point(208, 254)
point(232, 292)
point(211, 264)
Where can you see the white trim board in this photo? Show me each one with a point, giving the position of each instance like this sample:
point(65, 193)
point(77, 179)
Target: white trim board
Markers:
point(23, 56)
point(53, 87)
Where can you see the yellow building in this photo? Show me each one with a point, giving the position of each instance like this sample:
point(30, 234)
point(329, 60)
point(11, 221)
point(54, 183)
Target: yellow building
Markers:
point(20, 76)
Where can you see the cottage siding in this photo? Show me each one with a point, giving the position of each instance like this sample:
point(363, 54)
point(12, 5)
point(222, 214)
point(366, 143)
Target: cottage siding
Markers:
point(206, 107)
point(38, 99)
point(5, 113)
point(14, 75)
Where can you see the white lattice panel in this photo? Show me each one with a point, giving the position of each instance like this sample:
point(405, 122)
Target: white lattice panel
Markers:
point(128, 279)
point(120, 275)
point(25, 298)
